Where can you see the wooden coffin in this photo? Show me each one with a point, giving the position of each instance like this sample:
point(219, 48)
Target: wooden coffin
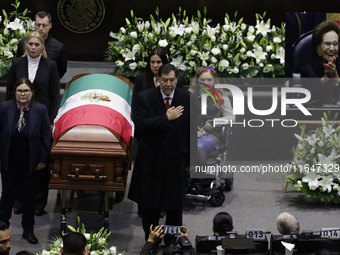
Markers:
point(90, 157)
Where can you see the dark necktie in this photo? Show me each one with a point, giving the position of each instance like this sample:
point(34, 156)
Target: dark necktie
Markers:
point(167, 104)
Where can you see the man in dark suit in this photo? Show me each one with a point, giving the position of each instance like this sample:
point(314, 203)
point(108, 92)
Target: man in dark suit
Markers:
point(158, 179)
point(55, 49)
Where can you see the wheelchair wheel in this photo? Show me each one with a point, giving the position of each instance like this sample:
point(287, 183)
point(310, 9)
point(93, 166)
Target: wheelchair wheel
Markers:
point(217, 199)
point(229, 182)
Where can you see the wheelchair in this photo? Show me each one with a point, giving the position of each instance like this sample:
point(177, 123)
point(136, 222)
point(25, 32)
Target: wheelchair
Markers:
point(211, 189)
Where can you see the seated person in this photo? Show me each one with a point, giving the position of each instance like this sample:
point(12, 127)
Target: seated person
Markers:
point(287, 224)
point(210, 138)
point(222, 223)
point(74, 243)
point(326, 66)
point(155, 237)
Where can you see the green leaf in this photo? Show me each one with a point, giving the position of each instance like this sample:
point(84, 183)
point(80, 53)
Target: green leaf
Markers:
point(72, 228)
point(240, 21)
point(235, 14)
point(180, 9)
point(325, 116)
point(167, 22)
point(131, 14)
point(205, 10)
point(199, 14)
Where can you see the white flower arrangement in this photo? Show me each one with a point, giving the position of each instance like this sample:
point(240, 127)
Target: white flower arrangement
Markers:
point(315, 170)
point(13, 27)
point(96, 242)
point(234, 49)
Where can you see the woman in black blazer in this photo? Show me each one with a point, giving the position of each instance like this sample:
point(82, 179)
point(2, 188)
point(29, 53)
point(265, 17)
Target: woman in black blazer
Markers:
point(25, 144)
point(150, 79)
point(40, 70)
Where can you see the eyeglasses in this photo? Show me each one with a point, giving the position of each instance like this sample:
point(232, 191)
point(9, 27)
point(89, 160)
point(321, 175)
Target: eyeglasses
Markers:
point(25, 91)
point(38, 25)
point(328, 44)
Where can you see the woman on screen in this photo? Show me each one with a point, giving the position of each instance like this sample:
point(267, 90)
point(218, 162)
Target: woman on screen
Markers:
point(211, 137)
point(327, 65)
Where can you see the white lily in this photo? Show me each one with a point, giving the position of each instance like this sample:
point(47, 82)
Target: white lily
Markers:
point(136, 48)
point(157, 27)
point(203, 55)
point(326, 183)
point(195, 27)
point(179, 30)
point(312, 180)
point(281, 55)
point(177, 62)
point(259, 54)
point(328, 130)
point(312, 139)
point(129, 55)
point(16, 24)
point(262, 28)
point(188, 30)
point(140, 25)
point(210, 31)
point(323, 160)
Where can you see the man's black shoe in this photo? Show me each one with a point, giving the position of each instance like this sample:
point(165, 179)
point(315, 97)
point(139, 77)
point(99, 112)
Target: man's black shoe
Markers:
point(30, 237)
point(17, 210)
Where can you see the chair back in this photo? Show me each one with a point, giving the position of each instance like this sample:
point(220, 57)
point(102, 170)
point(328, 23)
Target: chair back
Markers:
point(302, 52)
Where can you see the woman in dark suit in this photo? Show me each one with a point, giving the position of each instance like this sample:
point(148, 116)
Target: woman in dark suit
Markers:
point(25, 140)
point(150, 79)
point(43, 73)
point(326, 66)
point(40, 70)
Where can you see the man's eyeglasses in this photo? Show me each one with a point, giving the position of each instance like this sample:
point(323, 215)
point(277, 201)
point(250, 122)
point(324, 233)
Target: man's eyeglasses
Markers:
point(25, 91)
point(328, 44)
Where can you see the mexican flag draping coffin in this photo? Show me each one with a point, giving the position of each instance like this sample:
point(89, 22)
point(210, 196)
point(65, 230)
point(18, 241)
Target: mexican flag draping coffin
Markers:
point(92, 134)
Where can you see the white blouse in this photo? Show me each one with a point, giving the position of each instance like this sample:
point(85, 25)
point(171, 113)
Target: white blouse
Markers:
point(33, 64)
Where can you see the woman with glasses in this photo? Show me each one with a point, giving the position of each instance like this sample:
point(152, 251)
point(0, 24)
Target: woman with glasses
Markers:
point(25, 140)
point(210, 136)
point(43, 74)
point(326, 65)
point(40, 70)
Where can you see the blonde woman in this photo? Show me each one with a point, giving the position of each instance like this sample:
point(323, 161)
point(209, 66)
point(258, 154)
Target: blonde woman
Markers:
point(40, 70)
point(211, 138)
